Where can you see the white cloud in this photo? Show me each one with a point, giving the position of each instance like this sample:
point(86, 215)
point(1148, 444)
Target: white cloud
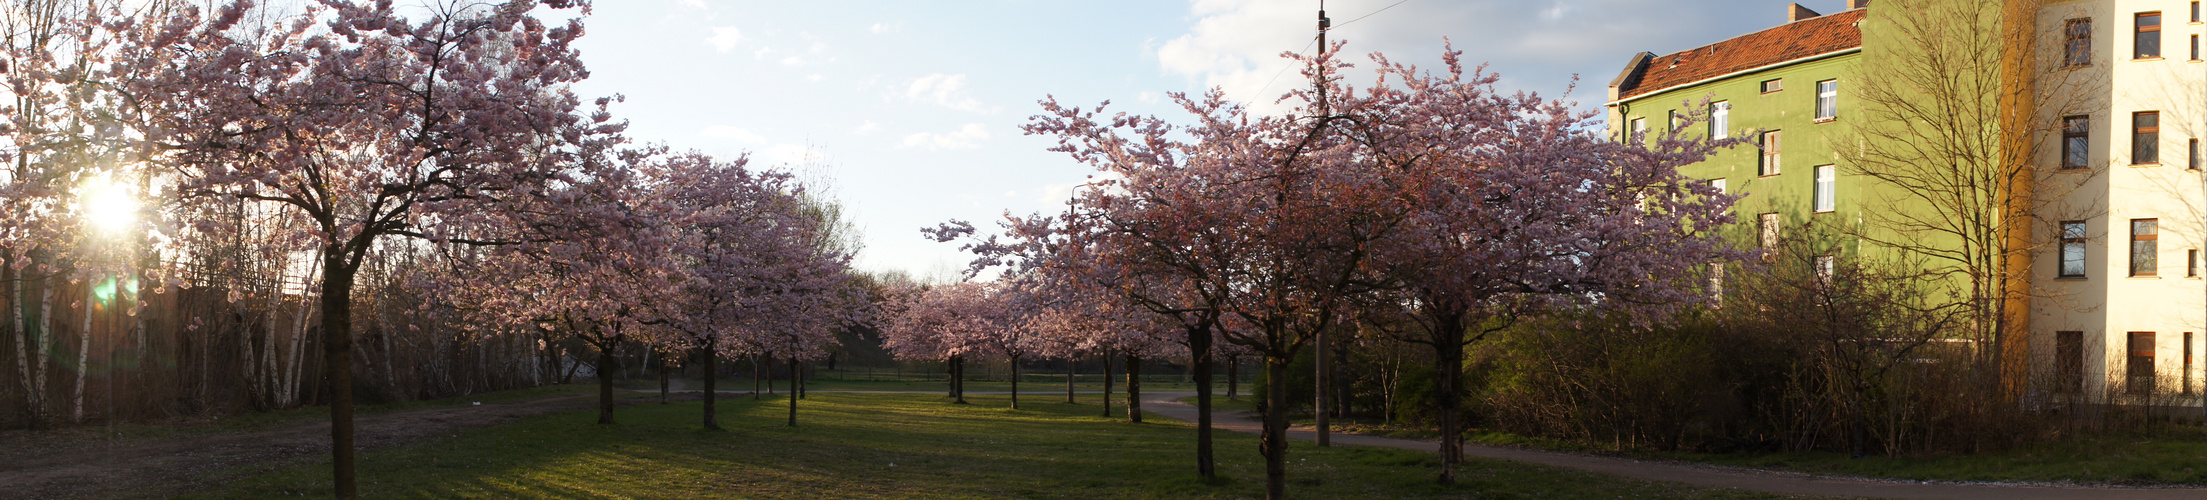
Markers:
point(1235, 44)
point(733, 134)
point(725, 38)
point(785, 154)
point(815, 77)
point(945, 90)
point(868, 128)
point(968, 137)
point(1150, 96)
point(695, 4)
point(887, 28)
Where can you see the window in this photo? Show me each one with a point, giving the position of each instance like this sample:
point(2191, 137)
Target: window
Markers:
point(1639, 130)
point(1827, 99)
point(2069, 361)
point(2078, 42)
point(1825, 265)
point(2191, 154)
point(2072, 249)
point(1826, 178)
point(1717, 183)
point(1770, 231)
point(2145, 138)
point(2139, 370)
point(1720, 119)
point(1676, 120)
point(2195, 18)
point(2195, 47)
point(2187, 373)
point(2147, 43)
point(1770, 145)
point(2144, 246)
point(2076, 141)
point(2191, 263)
point(1716, 283)
point(1773, 85)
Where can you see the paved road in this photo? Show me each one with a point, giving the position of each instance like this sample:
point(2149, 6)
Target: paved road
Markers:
point(1169, 405)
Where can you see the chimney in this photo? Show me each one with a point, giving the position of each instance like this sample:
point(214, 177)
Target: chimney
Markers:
point(1858, 4)
point(1795, 12)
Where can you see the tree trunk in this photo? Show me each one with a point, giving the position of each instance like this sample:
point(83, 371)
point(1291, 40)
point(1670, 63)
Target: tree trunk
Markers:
point(712, 372)
point(958, 379)
point(84, 355)
point(662, 381)
point(23, 332)
point(1070, 366)
point(606, 368)
point(1133, 389)
point(793, 393)
point(1107, 384)
point(337, 344)
point(1333, 378)
point(1015, 381)
point(1274, 443)
point(799, 384)
point(1233, 378)
point(1318, 389)
point(1200, 359)
point(758, 378)
point(1448, 370)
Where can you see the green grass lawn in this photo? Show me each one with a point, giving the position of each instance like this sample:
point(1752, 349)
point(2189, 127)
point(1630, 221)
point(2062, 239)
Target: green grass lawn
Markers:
point(1039, 385)
point(2174, 455)
point(900, 446)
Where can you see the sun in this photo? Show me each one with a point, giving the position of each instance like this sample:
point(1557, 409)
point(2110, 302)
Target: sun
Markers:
point(108, 206)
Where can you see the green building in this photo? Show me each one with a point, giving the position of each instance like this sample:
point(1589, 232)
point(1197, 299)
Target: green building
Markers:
point(1783, 91)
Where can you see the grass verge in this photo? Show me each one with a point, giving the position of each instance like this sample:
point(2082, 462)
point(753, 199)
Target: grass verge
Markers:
point(901, 446)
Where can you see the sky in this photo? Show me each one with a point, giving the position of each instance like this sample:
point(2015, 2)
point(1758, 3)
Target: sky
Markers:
point(909, 111)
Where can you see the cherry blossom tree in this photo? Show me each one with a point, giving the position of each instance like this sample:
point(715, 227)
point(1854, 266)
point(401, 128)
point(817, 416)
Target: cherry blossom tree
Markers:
point(1530, 209)
point(372, 124)
point(743, 241)
point(1280, 223)
point(1258, 217)
point(934, 323)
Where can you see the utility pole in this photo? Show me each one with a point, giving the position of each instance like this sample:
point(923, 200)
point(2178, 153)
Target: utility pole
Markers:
point(1318, 408)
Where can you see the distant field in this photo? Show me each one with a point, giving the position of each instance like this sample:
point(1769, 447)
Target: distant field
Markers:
point(899, 446)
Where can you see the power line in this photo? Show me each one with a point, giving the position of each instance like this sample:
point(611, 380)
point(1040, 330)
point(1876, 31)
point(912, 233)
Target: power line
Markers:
point(1314, 40)
point(1381, 9)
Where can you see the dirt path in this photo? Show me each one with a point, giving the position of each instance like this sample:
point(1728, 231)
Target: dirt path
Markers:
point(1169, 405)
point(155, 468)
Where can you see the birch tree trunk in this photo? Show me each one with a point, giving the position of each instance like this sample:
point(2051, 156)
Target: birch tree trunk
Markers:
point(84, 355)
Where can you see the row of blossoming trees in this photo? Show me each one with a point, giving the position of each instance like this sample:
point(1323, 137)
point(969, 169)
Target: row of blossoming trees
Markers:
point(1425, 201)
point(426, 171)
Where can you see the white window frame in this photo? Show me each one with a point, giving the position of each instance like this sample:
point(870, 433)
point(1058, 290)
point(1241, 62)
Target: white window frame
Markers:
point(1827, 100)
point(1639, 130)
point(1770, 230)
point(1720, 120)
point(1719, 184)
point(1827, 189)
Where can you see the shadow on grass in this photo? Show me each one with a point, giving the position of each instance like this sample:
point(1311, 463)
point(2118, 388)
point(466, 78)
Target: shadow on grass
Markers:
point(900, 446)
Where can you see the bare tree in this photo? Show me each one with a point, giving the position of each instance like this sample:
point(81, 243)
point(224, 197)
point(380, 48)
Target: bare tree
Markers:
point(1953, 104)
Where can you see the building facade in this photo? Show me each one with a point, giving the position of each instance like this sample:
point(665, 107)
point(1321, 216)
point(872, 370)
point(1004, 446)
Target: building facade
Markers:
point(2117, 308)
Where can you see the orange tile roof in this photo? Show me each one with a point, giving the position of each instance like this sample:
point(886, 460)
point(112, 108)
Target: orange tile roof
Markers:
point(1794, 40)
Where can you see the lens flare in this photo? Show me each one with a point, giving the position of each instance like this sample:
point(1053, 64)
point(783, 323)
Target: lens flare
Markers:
point(108, 206)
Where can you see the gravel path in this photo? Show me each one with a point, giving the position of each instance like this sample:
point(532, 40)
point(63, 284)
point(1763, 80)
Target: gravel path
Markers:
point(1169, 405)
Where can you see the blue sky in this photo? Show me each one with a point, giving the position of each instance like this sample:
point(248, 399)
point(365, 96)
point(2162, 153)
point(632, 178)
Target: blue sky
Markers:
point(909, 110)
